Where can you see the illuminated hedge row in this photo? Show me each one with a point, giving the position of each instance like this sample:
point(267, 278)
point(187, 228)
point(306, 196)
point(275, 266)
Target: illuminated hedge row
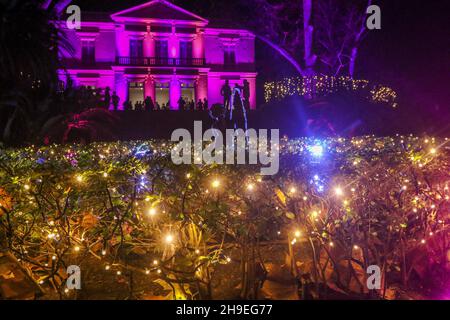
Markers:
point(321, 86)
point(354, 202)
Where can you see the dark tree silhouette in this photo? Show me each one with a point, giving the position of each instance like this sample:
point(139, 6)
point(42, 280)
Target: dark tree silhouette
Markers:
point(28, 62)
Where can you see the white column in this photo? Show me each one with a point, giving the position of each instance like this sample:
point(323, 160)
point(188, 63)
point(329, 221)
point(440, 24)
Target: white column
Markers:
point(175, 92)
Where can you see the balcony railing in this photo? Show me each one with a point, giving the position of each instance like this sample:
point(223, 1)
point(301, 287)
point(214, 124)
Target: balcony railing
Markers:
point(156, 61)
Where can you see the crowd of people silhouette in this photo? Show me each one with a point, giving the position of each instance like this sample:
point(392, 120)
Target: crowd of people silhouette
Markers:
point(233, 98)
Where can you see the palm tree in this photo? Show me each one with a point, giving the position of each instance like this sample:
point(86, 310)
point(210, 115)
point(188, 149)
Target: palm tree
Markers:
point(29, 62)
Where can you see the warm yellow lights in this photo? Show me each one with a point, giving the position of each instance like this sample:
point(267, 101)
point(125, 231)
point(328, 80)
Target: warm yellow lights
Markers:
point(152, 211)
point(77, 248)
point(250, 187)
point(215, 184)
point(297, 233)
point(169, 238)
point(79, 178)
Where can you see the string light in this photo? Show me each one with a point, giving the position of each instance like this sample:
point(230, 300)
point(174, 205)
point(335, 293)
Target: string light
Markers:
point(215, 183)
point(169, 238)
point(338, 191)
point(321, 85)
point(152, 211)
point(418, 196)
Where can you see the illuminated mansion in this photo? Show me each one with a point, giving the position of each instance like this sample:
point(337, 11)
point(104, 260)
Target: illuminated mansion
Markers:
point(159, 50)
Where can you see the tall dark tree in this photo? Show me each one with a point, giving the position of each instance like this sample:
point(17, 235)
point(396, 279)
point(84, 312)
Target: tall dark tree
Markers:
point(29, 62)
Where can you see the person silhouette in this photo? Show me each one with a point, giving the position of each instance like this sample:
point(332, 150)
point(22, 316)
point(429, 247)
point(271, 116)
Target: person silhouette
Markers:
point(199, 104)
point(238, 115)
point(217, 114)
point(246, 94)
point(107, 97)
point(148, 104)
point(115, 101)
point(205, 104)
point(181, 104)
point(225, 91)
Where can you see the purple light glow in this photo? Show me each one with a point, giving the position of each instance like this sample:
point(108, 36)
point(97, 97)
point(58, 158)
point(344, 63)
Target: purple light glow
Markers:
point(206, 70)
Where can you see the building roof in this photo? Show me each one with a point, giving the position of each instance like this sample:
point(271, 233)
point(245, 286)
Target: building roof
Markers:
point(158, 9)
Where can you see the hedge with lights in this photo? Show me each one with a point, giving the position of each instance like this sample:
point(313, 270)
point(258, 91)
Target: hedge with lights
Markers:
point(322, 86)
point(358, 202)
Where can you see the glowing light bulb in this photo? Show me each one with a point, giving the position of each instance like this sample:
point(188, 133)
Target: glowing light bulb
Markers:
point(338, 191)
point(79, 178)
point(26, 187)
point(155, 262)
point(316, 150)
point(331, 244)
point(188, 175)
point(152, 212)
point(433, 151)
point(292, 190)
point(250, 187)
point(105, 174)
point(355, 247)
point(77, 248)
point(169, 238)
point(297, 233)
point(119, 273)
point(216, 183)
point(103, 252)
point(147, 271)
point(422, 241)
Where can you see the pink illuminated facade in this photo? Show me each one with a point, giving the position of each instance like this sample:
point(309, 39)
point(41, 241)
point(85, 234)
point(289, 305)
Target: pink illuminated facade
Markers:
point(159, 50)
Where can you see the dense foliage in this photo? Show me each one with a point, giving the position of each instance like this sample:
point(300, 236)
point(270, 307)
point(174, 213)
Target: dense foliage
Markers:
point(347, 203)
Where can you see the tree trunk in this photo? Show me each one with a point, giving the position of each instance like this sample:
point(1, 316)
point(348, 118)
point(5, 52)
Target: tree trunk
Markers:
point(357, 41)
point(308, 29)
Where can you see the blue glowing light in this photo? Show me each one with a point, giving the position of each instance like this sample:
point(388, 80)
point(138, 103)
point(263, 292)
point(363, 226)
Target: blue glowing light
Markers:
point(316, 150)
point(141, 151)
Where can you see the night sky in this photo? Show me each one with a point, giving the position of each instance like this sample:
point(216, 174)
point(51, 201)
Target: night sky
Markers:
point(411, 52)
